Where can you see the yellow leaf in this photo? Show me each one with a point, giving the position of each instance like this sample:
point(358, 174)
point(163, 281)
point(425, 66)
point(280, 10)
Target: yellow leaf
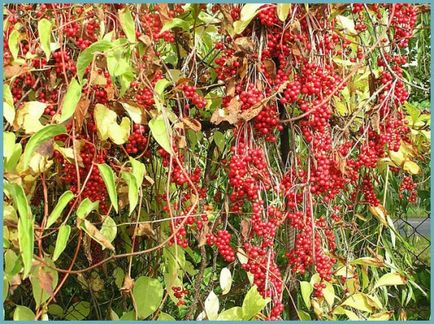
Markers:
point(383, 316)
point(358, 301)
point(411, 167)
point(380, 213)
point(28, 116)
point(347, 24)
point(329, 294)
point(283, 10)
point(391, 279)
point(107, 126)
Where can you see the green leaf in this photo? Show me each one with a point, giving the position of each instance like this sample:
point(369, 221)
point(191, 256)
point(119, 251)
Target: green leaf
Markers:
point(306, 290)
point(160, 133)
point(43, 135)
point(175, 22)
point(253, 303)
point(283, 10)
point(44, 31)
point(160, 86)
point(119, 276)
point(107, 126)
point(25, 225)
point(86, 57)
point(8, 104)
point(391, 279)
point(108, 176)
point(219, 140)
point(148, 293)
point(62, 240)
point(165, 317)
point(70, 101)
point(231, 314)
point(133, 190)
point(11, 163)
point(109, 229)
point(139, 171)
point(62, 202)
point(78, 311)
point(128, 316)
point(22, 313)
point(85, 207)
point(56, 310)
point(13, 43)
point(304, 316)
point(127, 23)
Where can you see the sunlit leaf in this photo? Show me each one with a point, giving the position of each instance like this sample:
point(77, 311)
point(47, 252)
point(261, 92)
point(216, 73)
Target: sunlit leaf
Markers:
point(108, 176)
point(62, 202)
point(44, 31)
point(62, 240)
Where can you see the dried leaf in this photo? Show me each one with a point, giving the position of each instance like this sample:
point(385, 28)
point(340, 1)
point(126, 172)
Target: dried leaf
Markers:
point(14, 70)
point(229, 114)
point(144, 229)
point(81, 111)
point(45, 281)
point(191, 123)
point(245, 229)
point(128, 284)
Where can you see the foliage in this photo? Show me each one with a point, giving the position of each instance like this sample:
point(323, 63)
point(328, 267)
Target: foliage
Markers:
point(220, 161)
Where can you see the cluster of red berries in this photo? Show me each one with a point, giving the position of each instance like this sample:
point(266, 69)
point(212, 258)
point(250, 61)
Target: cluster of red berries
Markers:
point(191, 93)
point(95, 188)
point(222, 240)
point(368, 192)
point(63, 63)
point(267, 15)
point(138, 140)
point(180, 293)
point(409, 186)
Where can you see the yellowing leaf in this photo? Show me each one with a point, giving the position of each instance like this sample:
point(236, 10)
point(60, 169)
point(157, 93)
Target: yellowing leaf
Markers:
point(107, 126)
point(44, 31)
point(380, 213)
point(95, 234)
point(306, 291)
point(8, 104)
point(28, 116)
point(14, 43)
point(358, 301)
point(248, 12)
point(383, 316)
point(134, 112)
point(369, 261)
point(329, 294)
point(225, 280)
point(283, 10)
point(212, 306)
point(347, 24)
point(391, 279)
point(411, 167)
